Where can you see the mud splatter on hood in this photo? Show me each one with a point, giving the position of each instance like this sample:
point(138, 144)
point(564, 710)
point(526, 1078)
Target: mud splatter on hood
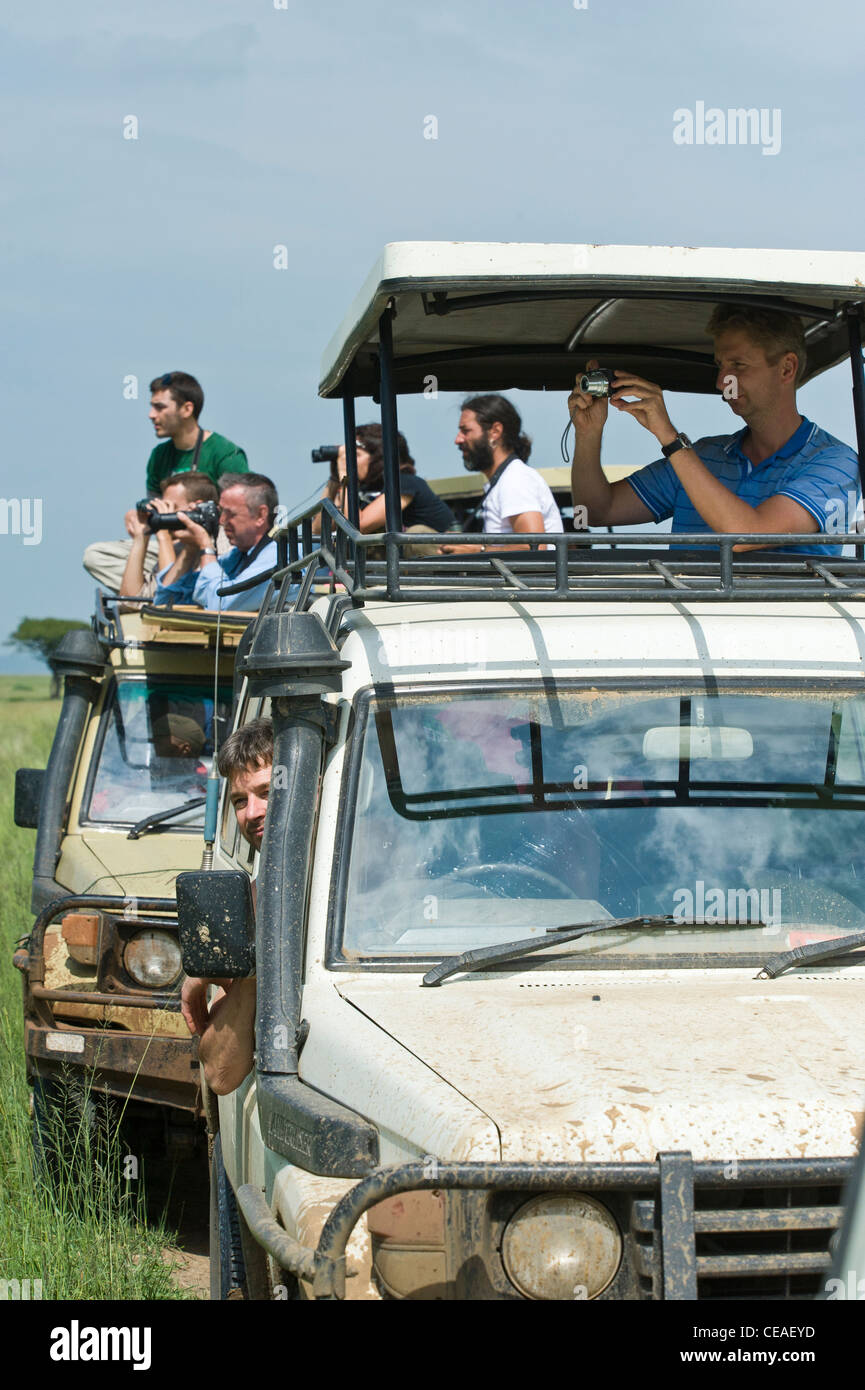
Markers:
point(718, 1063)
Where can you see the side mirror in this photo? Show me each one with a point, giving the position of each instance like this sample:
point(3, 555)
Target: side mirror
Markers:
point(28, 795)
point(217, 923)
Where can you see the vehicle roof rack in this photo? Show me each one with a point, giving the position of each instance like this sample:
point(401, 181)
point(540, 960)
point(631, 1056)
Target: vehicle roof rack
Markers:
point(580, 566)
point(106, 622)
point(162, 626)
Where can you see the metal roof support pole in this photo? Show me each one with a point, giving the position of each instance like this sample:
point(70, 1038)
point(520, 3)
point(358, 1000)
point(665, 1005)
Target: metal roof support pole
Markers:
point(725, 556)
point(389, 428)
point(561, 567)
point(857, 366)
point(351, 459)
point(350, 426)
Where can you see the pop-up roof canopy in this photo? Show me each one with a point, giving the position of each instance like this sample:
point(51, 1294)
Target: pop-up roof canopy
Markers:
point(481, 316)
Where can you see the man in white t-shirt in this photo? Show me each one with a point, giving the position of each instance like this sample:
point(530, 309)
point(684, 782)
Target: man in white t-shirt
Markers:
point(516, 498)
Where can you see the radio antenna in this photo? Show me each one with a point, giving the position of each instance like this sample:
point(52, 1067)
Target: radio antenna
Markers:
point(211, 805)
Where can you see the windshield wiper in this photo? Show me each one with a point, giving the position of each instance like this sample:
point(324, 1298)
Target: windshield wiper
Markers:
point(812, 953)
point(157, 817)
point(555, 936)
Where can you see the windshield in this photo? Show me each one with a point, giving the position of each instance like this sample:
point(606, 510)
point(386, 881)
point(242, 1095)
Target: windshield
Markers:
point(478, 819)
point(156, 751)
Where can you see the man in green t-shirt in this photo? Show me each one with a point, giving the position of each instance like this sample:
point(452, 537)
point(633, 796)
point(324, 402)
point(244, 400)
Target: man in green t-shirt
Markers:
point(176, 401)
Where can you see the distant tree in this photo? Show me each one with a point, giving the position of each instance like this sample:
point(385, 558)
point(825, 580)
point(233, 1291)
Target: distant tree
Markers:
point(40, 637)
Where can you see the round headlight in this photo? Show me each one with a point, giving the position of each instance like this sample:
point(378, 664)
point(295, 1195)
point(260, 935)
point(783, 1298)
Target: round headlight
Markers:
point(562, 1247)
point(152, 958)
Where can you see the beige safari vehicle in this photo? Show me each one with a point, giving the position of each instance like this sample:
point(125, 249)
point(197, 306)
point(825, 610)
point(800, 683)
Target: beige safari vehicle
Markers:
point(561, 899)
point(119, 811)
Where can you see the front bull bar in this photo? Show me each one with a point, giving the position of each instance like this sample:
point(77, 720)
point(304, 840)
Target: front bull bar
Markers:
point(671, 1178)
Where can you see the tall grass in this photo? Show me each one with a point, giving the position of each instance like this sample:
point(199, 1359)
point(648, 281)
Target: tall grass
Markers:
point(27, 719)
point(76, 1221)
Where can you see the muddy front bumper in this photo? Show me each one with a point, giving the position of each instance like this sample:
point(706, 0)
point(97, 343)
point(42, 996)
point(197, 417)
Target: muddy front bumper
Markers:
point(159, 1070)
point(690, 1230)
point(133, 1060)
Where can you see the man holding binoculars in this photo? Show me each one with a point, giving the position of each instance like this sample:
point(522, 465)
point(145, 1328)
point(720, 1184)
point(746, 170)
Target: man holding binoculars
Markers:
point(192, 493)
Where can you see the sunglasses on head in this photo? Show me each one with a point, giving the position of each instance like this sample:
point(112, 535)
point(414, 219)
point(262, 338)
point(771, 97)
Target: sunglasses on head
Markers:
point(167, 379)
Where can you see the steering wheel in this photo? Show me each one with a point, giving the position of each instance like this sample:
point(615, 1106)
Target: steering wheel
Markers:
point(537, 875)
point(390, 933)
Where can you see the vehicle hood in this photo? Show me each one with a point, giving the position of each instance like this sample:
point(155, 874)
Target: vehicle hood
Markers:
point(107, 862)
point(618, 1067)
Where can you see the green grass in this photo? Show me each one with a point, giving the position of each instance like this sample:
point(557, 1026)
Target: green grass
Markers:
point(83, 1235)
point(27, 719)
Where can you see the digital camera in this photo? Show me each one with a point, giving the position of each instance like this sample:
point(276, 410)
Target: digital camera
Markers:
point(206, 514)
point(597, 383)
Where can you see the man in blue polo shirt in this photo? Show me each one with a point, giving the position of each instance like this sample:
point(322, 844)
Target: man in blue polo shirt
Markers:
point(247, 507)
point(780, 473)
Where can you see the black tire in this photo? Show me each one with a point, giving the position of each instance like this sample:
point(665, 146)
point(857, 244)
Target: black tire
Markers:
point(227, 1268)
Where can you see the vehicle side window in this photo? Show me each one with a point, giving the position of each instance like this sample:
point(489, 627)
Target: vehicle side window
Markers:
point(232, 845)
point(156, 751)
point(245, 855)
point(229, 833)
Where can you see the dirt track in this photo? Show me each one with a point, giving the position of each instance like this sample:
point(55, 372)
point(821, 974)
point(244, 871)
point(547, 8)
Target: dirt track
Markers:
point(184, 1192)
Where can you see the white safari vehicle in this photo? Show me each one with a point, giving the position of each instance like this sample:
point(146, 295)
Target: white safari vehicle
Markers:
point(562, 891)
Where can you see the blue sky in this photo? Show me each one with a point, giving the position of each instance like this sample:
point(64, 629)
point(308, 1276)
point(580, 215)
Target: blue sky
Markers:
point(304, 126)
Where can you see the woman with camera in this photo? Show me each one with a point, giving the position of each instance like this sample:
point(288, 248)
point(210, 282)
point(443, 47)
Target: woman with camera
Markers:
point(422, 510)
point(180, 491)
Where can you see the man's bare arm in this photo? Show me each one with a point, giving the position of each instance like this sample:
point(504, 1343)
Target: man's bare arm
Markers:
point(133, 575)
point(193, 541)
point(529, 523)
point(132, 582)
point(227, 1047)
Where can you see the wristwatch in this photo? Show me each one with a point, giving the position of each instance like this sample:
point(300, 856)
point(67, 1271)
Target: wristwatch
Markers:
point(680, 442)
point(208, 550)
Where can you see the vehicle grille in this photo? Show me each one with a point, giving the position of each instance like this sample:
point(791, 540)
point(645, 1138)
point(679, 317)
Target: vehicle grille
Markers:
point(766, 1242)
